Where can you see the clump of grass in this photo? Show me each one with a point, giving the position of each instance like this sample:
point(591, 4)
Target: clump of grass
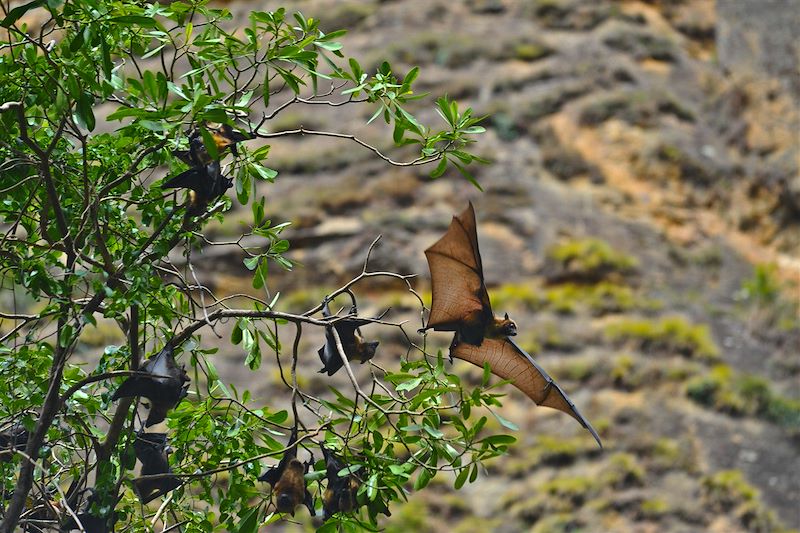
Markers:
point(653, 508)
point(301, 299)
point(740, 394)
point(764, 290)
point(557, 523)
point(558, 451)
point(531, 51)
point(673, 333)
point(590, 260)
point(574, 489)
point(624, 373)
point(516, 296)
point(623, 471)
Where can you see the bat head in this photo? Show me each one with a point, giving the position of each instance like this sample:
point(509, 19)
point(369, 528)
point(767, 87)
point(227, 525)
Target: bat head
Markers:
point(367, 351)
point(507, 326)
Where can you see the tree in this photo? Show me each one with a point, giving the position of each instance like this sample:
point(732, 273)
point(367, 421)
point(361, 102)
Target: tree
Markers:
point(88, 230)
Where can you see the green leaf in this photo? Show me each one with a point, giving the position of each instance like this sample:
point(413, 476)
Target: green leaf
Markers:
point(440, 168)
point(147, 22)
point(83, 111)
point(16, 13)
point(249, 524)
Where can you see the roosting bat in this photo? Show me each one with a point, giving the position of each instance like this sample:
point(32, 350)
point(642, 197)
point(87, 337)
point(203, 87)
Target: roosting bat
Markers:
point(287, 480)
point(355, 348)
point(166, 386)
point(224, 137)
point(12, 438)
point(90, 522)
point(205, 183)
point(460, 303)
point(151, 450)
point(340, 494)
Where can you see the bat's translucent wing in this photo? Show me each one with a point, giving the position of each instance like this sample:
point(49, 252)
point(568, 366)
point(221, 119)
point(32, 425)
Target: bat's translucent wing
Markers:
point(457, 275)
point(509, 361)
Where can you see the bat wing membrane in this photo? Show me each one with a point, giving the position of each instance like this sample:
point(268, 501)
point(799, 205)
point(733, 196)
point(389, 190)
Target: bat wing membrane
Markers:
point(457, 275)
point(509, 361)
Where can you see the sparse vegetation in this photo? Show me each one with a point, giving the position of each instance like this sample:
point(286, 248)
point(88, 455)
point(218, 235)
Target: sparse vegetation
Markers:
point(738, 394)
point(669, 334)
point(589, 260)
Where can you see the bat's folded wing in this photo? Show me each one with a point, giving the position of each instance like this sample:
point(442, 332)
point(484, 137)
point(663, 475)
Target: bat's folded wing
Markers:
point(510, 362)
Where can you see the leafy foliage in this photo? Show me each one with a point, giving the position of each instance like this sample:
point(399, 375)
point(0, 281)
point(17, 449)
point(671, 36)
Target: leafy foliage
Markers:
point(89, 233)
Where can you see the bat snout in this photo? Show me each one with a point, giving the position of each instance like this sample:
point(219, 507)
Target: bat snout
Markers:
point(285, 503)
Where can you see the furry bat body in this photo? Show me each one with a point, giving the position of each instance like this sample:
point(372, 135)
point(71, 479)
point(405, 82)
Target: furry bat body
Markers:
point(355, 348)
point(165, 388)
point(151, 450)
point(340, 494)
point(461, 304)
point(90, 522)
point(288, 481)
point(15, 437)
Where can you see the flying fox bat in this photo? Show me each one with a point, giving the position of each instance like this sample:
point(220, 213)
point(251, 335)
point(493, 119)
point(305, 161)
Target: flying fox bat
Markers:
point(287, 480)
point(225, 137)
point(205, 183)
point(340, 494)
point(355, 348)
point(460, 303)
point(151, 450)
point(165, 387)
point(90, 522)
point(10, 439)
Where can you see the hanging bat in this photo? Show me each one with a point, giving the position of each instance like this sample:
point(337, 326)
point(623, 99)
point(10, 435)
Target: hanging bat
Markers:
point(355, 348)
point(460, 303)
point(90, 522)
point(288, 481)
point(225, 137)
point(11, 439)
point(151, 450)
point(340, 494)
point(165, 387)
point(205, 183)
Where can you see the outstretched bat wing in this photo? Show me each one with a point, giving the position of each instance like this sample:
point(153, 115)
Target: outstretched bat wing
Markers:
point(459, 295)
point(508, 361)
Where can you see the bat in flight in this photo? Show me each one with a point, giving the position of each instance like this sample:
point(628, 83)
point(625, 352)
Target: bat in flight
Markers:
point(340, 494)
point(460, 303)
point(355, 348)
point(165, 387)
point(288, 481)
point(151, 450)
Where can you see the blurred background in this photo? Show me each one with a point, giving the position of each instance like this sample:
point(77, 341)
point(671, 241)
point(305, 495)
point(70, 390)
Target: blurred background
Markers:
point(640, 221)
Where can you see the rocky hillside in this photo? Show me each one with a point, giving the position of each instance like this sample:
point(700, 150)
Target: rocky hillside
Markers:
point(640, 220)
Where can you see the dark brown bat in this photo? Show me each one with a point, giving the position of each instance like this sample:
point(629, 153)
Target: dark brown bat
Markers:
point(90, 522)
point(166, 386)
point(288, 481)
point(224, 137)
point(12, 438)
point(340, 494)
point(205, 183)
point(460, 303)
point(355, 348)
point(151, 450)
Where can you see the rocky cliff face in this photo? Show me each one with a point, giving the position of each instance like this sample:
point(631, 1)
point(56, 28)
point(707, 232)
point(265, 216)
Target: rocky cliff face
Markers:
point(661, 135)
